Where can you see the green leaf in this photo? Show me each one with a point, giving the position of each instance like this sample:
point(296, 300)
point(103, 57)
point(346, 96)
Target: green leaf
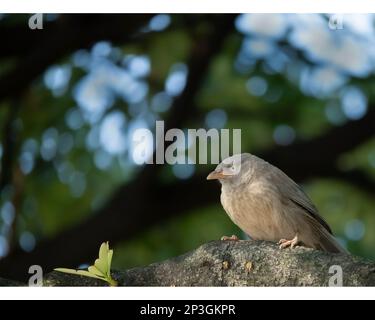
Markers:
point(102, 262)
point(94, 270)
point(79, 273)
point(101, 265)
point(89, 274)
point(110, 255)
point(101, 268)
point(103, 251)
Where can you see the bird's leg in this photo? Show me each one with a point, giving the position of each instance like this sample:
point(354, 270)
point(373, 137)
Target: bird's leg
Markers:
point(232, 238)
point(288, 243)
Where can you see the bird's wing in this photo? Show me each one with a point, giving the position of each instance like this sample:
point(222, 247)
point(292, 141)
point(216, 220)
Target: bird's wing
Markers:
point(294, 193)
point(315, 215)
point(323, 239)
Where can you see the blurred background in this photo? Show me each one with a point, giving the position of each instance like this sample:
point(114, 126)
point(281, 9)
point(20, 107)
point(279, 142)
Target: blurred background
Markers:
point(301, 88)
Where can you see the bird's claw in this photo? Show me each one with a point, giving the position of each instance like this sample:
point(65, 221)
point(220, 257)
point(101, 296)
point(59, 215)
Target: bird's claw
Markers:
point(232, 238)
point(283, 243)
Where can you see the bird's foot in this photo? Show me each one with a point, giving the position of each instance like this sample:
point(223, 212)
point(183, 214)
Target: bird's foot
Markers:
point(288, 243)
point(232, 238)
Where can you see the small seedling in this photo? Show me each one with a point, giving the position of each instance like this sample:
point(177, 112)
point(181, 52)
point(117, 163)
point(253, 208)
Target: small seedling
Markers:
point(100, 270)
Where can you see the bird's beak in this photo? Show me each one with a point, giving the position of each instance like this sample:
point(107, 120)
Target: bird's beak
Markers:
point(216, 175)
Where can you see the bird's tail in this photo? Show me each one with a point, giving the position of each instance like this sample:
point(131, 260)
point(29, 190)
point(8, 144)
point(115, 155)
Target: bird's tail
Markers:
point(327, 242)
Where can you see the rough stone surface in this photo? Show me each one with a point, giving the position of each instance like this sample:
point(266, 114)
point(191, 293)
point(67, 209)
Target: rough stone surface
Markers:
point(10, 283)
point(243, 263)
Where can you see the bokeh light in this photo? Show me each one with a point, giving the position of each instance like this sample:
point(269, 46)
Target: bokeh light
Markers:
point(355, 230)
point(257, 86)
point(284, 135)
point(354, 103)
point(216, 119)
point(160, 22)
point(176, 80)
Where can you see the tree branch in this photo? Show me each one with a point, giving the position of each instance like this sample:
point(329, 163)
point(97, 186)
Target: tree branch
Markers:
point(244, 263)
point(355, 177)
point(317, 155)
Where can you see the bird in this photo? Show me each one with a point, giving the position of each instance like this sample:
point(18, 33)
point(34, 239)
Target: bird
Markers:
point(268, 205)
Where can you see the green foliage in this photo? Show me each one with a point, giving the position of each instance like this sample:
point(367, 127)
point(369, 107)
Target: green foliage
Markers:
point(100, 270)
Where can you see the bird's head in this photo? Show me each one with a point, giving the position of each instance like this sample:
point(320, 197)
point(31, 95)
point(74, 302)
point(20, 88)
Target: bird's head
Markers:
point(231, 169)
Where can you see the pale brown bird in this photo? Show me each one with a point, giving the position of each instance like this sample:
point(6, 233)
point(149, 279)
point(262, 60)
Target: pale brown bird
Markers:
point(267, 205)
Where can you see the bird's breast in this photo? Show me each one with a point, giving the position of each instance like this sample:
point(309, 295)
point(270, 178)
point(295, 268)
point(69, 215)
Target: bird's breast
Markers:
point(258, 211)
